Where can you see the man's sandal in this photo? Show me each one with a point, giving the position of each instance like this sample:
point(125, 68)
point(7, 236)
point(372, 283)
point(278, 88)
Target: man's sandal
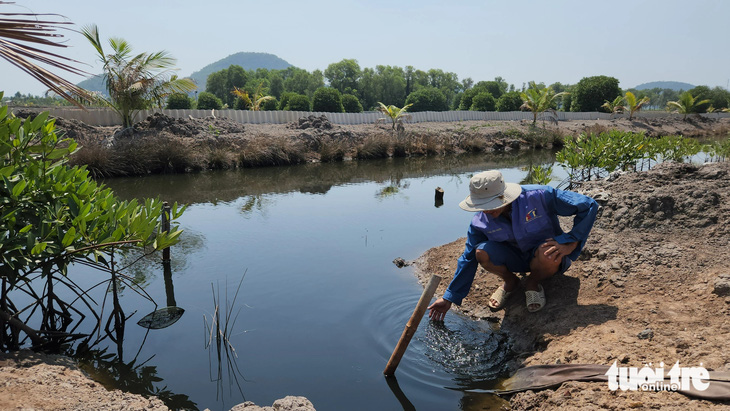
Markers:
point(535, 298)
point(500, 295)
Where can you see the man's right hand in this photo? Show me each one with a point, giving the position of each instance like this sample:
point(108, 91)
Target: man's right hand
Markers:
point(438, 309)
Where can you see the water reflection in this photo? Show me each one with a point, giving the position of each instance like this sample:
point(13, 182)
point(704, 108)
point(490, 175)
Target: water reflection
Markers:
point(399, 394)
point(225, 186)
point(132, 376)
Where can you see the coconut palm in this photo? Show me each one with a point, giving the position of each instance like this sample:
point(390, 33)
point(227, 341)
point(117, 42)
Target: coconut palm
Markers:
point(614, 107)
point(686, 104)
point(396, 115)
point(255, 102)
point(135, 82)
point(22, 39)
point(539, 100)
point(634, 105)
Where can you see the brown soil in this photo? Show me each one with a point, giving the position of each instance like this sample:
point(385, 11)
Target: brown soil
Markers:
point(32, 381)
point(651, 286)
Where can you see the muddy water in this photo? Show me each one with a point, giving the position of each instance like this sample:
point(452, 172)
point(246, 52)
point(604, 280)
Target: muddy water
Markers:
point(321, 305)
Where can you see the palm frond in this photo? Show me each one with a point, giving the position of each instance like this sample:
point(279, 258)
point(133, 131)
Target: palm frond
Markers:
point(20, 33)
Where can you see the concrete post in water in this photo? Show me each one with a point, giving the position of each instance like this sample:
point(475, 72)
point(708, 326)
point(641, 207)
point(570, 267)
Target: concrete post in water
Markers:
point(166, 229)
point(412, 325)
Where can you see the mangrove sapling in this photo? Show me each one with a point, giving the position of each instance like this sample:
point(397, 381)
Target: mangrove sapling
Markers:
point(538, 174)
point(54, 215)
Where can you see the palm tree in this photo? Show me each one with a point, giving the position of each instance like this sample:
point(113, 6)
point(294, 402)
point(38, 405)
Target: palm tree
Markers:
point(686, 104)
point(22, 36)
point(255, 102)
point(396, 115)
point(135, 82)
point(614, 107)
point(538, 99)
point(634, 105)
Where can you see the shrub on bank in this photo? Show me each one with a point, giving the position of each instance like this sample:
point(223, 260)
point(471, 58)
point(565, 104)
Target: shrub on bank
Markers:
point(483, 101)
point(269, 105)
point(208, 101)
point(427, 99)
point(179, 101)
point(328, 100)
point(298, 102)
point(509, 102)
point(351, 104)
point(284, 99)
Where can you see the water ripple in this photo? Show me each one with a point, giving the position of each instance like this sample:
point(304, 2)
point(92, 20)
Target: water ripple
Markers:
point(458, 350)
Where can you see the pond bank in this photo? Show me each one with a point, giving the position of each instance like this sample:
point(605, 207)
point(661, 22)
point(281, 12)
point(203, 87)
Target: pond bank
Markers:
point(651, 286)
point(54, 382)
point(163, 144)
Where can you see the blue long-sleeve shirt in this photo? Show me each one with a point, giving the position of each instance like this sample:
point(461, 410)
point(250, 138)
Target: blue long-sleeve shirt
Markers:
point(556, 203)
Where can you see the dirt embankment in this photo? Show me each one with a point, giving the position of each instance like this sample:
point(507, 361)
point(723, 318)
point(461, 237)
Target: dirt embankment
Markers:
point(651, 286)
point(163, 144)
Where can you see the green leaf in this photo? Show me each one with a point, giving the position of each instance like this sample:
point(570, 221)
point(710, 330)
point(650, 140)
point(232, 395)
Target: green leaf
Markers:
point(25, 229)
point(19, 187)
point(69, 237)
point(39, 120)
point(39, 248)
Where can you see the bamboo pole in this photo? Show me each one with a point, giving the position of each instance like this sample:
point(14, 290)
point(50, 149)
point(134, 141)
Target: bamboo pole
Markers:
point(412, 325)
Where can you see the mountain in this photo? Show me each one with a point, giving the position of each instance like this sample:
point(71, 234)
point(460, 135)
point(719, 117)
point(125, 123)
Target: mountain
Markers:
point(674, 85)
point(94, 83)
point(249, 61)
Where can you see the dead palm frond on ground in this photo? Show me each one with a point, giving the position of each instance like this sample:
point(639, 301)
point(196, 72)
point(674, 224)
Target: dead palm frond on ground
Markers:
point(24, 38)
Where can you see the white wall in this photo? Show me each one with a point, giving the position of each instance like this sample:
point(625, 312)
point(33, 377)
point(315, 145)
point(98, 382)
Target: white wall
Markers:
point(107, 117)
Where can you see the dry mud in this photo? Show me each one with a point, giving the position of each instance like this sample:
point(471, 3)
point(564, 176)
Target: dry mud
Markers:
point(652, 285)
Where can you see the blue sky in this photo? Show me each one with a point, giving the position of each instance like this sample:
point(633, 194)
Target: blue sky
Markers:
point(546, 41)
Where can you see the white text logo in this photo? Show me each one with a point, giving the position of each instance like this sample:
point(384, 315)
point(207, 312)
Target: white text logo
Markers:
point(648, 379)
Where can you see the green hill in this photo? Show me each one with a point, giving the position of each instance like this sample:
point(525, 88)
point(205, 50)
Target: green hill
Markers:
point(673, 85)
point(249, 61)
point(94, 83)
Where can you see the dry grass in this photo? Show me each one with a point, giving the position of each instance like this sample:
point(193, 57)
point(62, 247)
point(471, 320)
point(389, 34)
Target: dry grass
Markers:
point(376, 146)
point(221, 158)
point(472, 144)
point(331, 150)
point(138, 156)
point(269, 151)
point(98, 159)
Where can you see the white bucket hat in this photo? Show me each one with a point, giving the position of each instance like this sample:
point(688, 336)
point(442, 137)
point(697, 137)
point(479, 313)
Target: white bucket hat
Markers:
point(488, 191)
